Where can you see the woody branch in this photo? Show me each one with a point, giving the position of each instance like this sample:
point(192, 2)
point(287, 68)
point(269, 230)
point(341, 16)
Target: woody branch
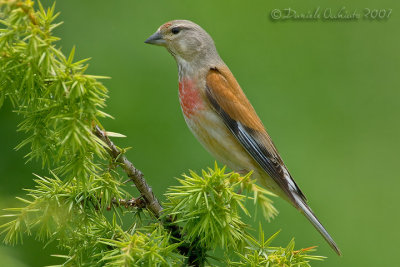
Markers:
point(134, 174)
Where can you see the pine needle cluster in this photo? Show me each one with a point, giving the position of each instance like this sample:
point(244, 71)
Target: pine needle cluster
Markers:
point(82, 202)
point(209, 207)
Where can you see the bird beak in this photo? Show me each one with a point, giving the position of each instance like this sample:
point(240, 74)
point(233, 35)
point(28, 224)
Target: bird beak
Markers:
point(155, 39)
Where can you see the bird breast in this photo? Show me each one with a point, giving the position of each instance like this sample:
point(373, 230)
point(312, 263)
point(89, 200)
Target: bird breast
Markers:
point(189, 97)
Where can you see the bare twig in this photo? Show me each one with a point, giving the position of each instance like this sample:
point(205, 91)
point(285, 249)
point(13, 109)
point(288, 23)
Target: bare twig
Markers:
point(196, 254)
point(134, 174)
point(129, 203)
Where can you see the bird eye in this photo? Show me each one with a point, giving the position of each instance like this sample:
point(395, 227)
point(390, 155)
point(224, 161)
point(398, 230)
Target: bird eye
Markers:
point(175, 30)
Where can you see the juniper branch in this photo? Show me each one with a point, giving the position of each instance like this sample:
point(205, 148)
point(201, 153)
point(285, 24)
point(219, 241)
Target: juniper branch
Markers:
point(191, 250)
point(133, 173)
point(128, 203)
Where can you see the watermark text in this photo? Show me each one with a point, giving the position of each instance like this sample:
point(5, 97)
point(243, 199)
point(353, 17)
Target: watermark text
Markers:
point(330, 14)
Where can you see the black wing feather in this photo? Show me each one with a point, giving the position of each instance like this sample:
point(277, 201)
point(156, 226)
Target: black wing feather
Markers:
point(260, 154)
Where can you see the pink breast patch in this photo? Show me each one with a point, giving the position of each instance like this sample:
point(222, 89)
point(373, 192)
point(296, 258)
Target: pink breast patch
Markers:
point(189, 97)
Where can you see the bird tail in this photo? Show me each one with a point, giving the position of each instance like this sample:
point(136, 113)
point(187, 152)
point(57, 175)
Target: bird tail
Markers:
point(306, 210)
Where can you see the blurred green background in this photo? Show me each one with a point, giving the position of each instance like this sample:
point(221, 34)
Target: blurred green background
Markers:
point(328, 92)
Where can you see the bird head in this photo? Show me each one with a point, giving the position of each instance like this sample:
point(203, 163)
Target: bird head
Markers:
point(186, 41)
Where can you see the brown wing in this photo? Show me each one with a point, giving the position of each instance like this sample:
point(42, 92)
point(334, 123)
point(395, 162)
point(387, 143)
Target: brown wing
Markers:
point(229, 101)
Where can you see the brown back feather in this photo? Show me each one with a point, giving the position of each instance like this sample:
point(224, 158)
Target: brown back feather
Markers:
point(227, 92)
point(226, 95)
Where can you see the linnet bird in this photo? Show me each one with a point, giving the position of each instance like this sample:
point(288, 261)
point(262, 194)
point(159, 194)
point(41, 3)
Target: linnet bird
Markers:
point(221, 117)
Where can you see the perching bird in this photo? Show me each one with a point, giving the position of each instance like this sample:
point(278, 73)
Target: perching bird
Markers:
point(222, 118)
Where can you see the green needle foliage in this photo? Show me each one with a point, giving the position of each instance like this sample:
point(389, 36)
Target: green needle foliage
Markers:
point(150, 246)
point(209, 207)
point(80, 206)
point(258, 252)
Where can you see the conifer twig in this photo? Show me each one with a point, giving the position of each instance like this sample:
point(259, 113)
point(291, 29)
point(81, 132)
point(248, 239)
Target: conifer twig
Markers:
point(134, 174)
point(128, 203)
point(137, 177)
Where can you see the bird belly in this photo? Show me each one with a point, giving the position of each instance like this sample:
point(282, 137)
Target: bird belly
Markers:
point(216, 138)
